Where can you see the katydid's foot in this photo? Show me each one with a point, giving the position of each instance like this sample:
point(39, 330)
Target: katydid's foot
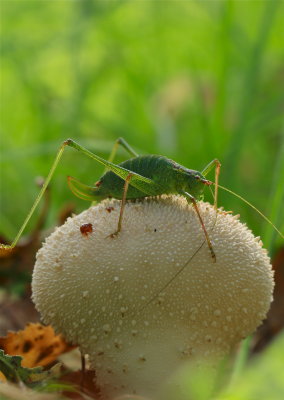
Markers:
point(213, 255)
point(114, 234)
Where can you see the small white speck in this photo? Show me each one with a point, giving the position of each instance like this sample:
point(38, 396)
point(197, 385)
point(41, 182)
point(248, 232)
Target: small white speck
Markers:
point(106, 328)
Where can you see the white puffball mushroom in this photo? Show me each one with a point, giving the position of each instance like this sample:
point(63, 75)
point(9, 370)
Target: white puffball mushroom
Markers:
point(110, 295)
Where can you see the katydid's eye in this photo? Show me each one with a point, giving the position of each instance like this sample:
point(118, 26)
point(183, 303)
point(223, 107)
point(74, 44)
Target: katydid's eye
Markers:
point(208, 183)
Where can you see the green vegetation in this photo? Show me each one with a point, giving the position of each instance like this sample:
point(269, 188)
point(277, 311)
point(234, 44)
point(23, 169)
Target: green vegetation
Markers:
point(192, 80)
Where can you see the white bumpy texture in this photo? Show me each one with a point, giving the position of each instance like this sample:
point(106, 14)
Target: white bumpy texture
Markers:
point(106, 293)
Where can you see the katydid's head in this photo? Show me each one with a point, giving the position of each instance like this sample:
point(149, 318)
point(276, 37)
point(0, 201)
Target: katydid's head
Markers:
point(196, 183)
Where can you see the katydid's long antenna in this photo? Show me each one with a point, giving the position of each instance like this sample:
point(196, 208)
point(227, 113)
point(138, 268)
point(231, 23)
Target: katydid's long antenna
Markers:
point(180, 270)
point(252, 206)
point(172, 278)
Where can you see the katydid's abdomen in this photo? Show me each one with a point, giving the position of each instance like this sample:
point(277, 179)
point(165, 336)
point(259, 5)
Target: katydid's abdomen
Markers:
point(158, 168)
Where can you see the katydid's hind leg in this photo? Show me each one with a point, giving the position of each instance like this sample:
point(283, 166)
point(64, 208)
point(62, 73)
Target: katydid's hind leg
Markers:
point(140, 181)
point(214, 163)
point(192, 200)
point(39, 197)
point(146, 185)
point(122, 142)
point(123, 201)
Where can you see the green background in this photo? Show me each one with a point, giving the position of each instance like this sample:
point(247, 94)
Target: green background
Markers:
point(192, 80)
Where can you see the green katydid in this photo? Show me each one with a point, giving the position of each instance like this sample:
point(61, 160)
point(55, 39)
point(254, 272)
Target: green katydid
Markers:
point(139, 177)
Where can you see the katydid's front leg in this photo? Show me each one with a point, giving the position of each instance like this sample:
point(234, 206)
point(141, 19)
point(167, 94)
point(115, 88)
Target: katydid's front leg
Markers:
point(214, 163)
point(192, 200)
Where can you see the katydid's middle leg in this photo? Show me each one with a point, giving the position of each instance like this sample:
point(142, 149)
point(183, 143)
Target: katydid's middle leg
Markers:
point(123, 201)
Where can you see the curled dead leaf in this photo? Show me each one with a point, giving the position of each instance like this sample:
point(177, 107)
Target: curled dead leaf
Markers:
point(37, 344)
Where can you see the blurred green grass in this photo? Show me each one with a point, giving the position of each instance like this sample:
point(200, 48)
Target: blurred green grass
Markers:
point(193, 80)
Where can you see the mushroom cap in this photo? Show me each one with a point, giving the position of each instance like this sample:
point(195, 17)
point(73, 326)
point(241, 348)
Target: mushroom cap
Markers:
point(145, 301)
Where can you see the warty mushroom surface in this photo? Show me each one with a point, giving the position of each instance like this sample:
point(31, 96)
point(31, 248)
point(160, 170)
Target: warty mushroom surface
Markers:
point(112, 296)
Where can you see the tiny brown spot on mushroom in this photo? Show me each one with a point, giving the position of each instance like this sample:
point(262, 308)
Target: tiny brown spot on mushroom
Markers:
point(86, 229)
point(109, 209)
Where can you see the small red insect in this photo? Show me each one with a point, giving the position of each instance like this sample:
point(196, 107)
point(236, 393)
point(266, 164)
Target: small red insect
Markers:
point(86, 229)
point(109, 209)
